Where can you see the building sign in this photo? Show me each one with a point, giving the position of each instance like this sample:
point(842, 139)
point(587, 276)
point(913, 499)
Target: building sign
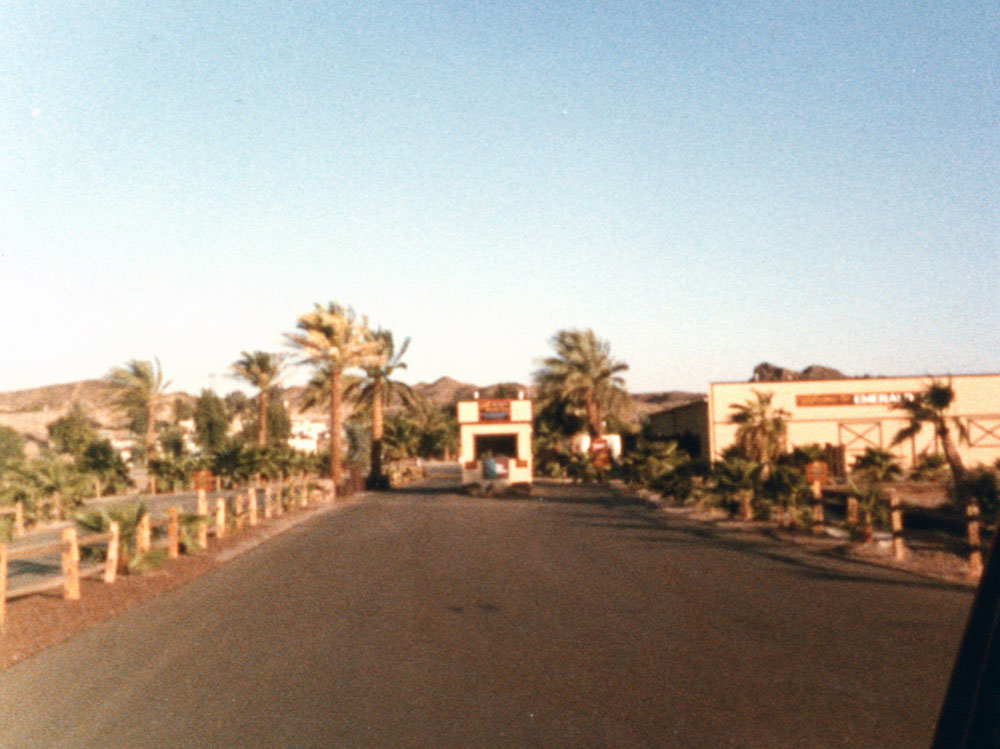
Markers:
point(853, 399)
point(494, 409)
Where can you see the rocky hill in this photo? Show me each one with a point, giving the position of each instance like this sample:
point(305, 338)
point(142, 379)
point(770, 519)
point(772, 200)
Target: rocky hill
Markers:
point(30, 411)
point(767, 372)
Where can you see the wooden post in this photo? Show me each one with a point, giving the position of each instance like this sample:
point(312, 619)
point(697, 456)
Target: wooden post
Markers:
point(852, 511)
point(202, 502)
point(746, 503)
point(252, 507)
point(111, 563)
point(238, 511)
point(896, 520)
point(143, 535)
point(817, 514)
point(203, 530)
point(303, 496)
point(220, 518)
point(975, 542)
point(174, 532)
point(3, 586)
point(18, 519)
point(268, 510)
point(71, 565)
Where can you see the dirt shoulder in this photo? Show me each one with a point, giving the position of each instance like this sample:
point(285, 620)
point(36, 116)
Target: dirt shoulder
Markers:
point(933, 556)
point(37, 622)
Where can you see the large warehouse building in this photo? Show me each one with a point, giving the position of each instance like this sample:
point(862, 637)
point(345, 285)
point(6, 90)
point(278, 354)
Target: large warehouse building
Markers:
point(849, 415)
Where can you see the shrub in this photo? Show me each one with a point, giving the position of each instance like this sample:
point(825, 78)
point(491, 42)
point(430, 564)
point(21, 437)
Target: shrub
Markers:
point(931, 467)
point(981, 484)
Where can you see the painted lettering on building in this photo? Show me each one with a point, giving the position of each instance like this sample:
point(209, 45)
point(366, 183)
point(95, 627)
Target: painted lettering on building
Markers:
point(494, 409)
point(854, 399)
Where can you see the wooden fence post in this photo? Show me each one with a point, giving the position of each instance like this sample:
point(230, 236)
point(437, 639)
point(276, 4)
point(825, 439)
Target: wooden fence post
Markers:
point(71, 565)
point(252, 507)
point(852, 511)
point(238, 511)
point(18, 519)
point(896, 520)
point(202, 502)
point(220, 517)
point(303, 497)
point(174, 532)
point(817, 514)
point(268, 510)
point(975, 542)
point(111, 563)
point(203, 531)
point(3, 586)
point(143, 535)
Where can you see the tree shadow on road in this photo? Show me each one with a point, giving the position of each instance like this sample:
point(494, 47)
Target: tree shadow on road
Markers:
point(826, 563)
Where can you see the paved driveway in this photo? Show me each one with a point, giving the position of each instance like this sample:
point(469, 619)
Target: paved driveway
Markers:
point(425, 618)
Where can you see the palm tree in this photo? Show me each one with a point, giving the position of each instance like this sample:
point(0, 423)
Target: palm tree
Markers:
point(374, 392)
point(583, 377)
point(762, 430)
point(262, 370)
point(930, 407)
point(140, 387)
point(333, 339)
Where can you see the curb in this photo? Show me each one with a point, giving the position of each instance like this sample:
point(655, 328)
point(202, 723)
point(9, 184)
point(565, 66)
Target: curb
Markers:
point(279, 527)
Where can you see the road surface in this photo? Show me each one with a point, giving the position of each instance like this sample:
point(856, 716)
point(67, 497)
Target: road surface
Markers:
point(425, 618)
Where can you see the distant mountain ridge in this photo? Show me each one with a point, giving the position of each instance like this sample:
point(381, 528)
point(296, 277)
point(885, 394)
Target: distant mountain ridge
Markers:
point(31, 410)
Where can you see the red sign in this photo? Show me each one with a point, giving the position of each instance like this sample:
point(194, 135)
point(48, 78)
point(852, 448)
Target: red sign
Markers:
point(817, 472)
point(203, 480)
point(600, 454)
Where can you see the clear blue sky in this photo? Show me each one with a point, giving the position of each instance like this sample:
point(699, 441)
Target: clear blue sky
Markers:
point(706, 185)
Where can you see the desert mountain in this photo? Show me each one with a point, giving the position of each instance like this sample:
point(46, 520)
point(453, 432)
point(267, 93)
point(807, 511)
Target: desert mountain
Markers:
point(766, 372)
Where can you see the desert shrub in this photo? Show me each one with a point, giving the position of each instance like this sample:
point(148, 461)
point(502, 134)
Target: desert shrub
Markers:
point(931, 467)
point(878, 464)
point(650, 462)
point(786, 488)
point(980, 484)
point(736, 480)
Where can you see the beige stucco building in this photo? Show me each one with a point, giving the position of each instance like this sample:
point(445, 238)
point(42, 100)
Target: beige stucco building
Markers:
point(854, 414)
point(495, 441)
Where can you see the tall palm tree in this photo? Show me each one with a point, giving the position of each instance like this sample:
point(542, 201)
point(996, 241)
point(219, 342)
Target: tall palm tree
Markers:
point(334, 339)
point(583, 377)
point(930, 407)
point(762, 430)
point(262, 370)
point(140, 387)
point(374, 392)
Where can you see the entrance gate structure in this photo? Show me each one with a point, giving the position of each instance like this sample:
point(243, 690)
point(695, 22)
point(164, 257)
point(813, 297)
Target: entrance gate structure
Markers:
point(495, 441)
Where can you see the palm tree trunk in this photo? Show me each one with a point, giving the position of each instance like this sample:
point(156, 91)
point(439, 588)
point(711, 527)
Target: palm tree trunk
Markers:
point(375, 476)
point(150, 432)
point(336, 396)
point(593, 415)
point(951, 453)
point(262, 418)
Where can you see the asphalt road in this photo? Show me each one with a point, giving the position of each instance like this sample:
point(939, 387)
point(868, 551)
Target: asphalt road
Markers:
point(429, 619)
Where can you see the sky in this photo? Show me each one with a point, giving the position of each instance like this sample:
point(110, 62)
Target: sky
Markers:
point(706, 185)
